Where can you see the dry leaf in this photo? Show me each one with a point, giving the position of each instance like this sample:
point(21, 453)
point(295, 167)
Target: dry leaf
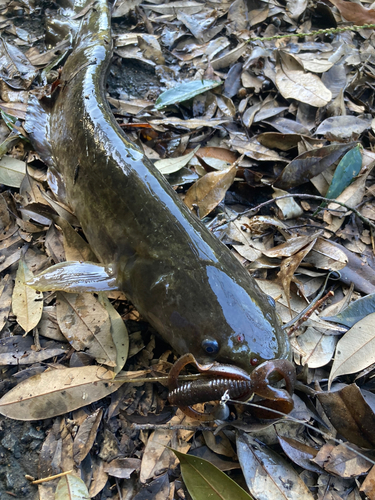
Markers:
point(354, 12)
point(355, 350)
point(27, 303)
point(293, 82)
point(208, 191)
point(86, 436)
point(86, 325)
point(54, 393)
point(267, 474)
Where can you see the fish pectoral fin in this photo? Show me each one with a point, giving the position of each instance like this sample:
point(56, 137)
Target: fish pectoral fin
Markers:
point(37, 125)
point(75, 277)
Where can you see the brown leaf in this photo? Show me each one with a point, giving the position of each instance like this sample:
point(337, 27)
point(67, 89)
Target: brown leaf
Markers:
point(300, 453)
point(309, 164)
point(354, 12)
point(267, 472)
point(327, 255)
point(122, 467)
point(207, 192)
point(368, 485)
point(341, 461)
point(86, 436)
point(350, 415)
point(289, 265)
point(85, 324)
point(6, 289)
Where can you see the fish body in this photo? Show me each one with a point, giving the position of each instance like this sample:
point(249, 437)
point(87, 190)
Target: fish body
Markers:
point(179, 276)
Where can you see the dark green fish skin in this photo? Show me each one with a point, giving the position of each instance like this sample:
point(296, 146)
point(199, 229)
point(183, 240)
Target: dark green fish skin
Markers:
point(183, 280)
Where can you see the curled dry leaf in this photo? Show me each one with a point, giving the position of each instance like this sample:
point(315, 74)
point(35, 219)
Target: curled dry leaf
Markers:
point(171, 165)
point(119, 333)
point(288, 207)
point(326, 255)
point(289, 265)
point(12, 171)
point(293, 82)
point(300, 453)
point(208, 191)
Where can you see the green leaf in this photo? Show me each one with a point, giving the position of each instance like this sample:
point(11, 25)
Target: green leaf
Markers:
point(184, 92)
point(355, 311)
point(8, 119)
point(348, 168)
point(71, 488)
point(203, 480)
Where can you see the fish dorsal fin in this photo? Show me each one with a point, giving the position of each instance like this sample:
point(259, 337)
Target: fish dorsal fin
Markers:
point(75, 277)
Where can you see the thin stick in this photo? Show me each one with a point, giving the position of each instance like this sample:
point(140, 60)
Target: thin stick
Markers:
point(51, 478)
point(327, 31)
point(254, 210)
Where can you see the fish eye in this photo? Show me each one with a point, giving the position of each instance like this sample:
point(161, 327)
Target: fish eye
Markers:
point(254, 361)
point(210, 346)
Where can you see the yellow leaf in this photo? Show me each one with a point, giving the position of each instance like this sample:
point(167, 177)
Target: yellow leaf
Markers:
point(27, 303)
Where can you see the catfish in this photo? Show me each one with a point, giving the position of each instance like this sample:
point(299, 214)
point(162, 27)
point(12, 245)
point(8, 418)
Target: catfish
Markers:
point(180, 277)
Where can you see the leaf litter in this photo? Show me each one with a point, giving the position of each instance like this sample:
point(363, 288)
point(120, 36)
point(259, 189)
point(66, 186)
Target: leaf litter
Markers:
point(234, 116)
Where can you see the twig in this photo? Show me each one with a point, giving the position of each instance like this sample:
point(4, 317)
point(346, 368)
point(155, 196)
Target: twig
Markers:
point(306, 316)
point(302, 422)
point(146, 427)
point(254, 210)
point(51, 478)
point(327, 31)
